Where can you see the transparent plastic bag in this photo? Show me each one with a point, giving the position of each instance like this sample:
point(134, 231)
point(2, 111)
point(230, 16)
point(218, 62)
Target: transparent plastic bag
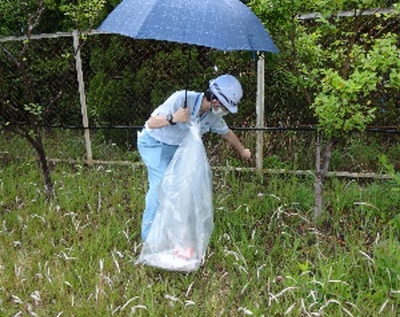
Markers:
point(183, 224)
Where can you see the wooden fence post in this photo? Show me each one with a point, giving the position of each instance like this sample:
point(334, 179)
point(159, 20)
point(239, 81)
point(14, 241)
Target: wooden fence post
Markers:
point(82, 97)
point(260, 111)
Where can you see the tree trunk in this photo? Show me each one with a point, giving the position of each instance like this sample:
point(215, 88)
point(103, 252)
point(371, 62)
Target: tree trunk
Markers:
point(318, 196)
point(48, 183)
point(28, 101)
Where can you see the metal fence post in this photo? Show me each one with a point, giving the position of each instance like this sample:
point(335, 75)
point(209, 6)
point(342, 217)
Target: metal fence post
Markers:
point(82, 97)
point(260, 111)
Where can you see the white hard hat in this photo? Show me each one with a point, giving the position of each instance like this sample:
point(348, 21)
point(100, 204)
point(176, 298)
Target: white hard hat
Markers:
point(228, 90)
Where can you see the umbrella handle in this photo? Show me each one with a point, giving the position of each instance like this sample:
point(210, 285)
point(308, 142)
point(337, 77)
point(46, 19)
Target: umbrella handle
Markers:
point(185, 103)
point(188, 77)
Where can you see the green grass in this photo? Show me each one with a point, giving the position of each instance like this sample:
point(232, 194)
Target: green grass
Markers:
point(75, 255)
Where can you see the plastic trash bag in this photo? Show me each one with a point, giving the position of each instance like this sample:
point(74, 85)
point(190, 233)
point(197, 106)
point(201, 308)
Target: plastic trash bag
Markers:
point(182, 227)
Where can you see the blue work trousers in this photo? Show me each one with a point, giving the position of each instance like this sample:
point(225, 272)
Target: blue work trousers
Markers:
point(156, 156)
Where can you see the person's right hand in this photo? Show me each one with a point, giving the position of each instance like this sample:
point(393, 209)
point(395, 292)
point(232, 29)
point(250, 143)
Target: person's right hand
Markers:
point(182, 115)
point(246, 154)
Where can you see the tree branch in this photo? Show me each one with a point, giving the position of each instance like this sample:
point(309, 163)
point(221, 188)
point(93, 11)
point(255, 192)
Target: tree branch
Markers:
point(10, 55)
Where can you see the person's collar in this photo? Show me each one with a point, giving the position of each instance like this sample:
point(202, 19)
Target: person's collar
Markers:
point(200, 104)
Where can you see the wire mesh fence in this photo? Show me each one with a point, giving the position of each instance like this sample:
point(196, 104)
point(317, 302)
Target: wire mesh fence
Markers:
point(124, 80)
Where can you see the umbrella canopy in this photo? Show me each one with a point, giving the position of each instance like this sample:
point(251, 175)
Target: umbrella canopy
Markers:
point(221, 24)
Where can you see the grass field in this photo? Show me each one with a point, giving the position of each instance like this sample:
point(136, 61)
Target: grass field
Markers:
point(75, 255)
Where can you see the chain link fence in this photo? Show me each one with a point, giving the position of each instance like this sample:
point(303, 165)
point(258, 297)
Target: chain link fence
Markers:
point(123, 81)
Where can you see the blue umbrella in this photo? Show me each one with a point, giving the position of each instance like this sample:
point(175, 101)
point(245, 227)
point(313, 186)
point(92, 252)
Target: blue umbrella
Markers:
point(221, 24)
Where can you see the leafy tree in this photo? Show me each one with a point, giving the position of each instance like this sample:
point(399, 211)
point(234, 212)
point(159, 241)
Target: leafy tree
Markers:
point(28, 110)
point(342, 68)
point(24, 104)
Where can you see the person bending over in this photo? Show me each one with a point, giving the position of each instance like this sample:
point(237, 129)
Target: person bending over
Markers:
point(168, 125)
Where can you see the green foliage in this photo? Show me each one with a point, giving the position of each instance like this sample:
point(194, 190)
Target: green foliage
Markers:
point(342, 69)
point(385, 253)
point(85, 13)
point(389, 168)
point(14, 20)
point(311, 51)
point(33, 109)
point(337, 108)
point(55, 95)
point(164, 73)
point(130, 88)
point(58, 15)
point(344, 105)
point(144, 73)
point(75, 254)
